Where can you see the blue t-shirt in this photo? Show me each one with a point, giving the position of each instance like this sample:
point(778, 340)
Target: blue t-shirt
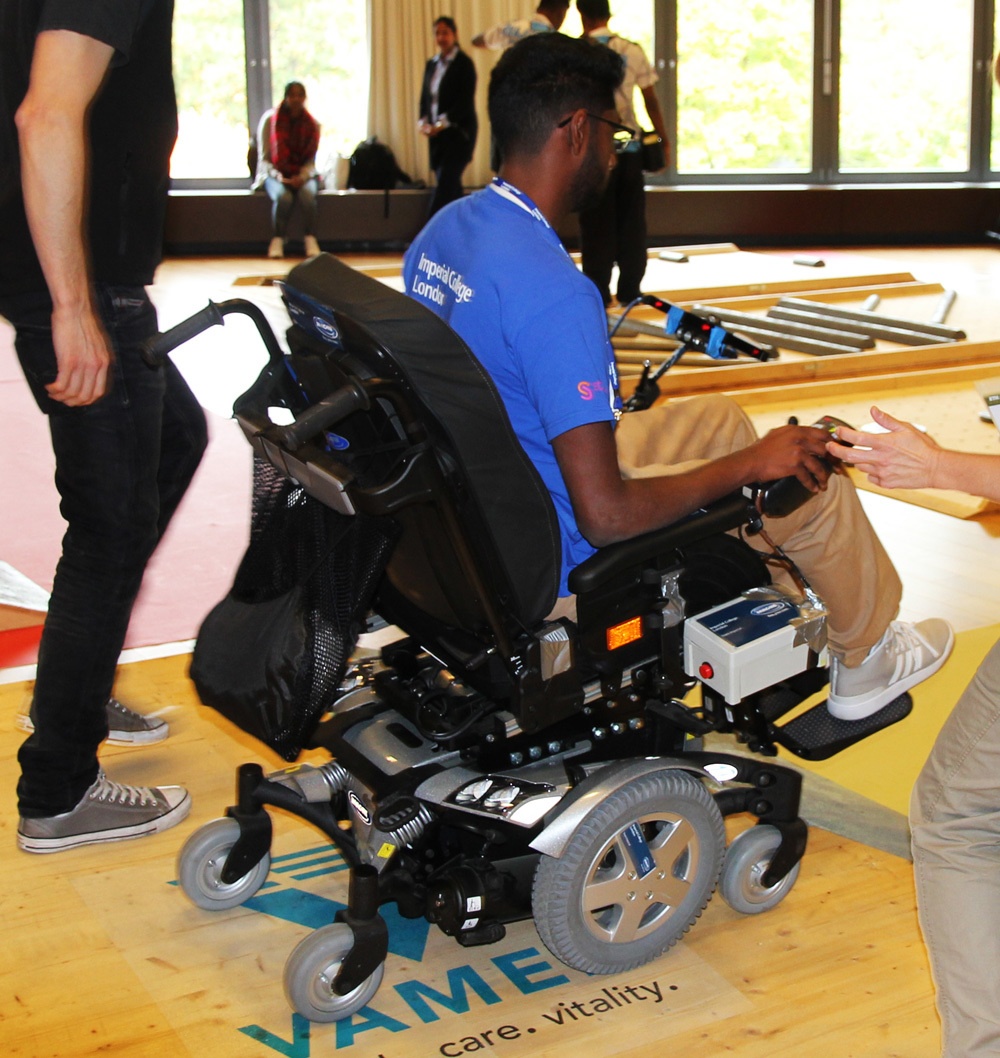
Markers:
point(492, 267)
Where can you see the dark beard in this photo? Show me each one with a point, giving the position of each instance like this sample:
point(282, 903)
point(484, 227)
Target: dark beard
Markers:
point(590, 182)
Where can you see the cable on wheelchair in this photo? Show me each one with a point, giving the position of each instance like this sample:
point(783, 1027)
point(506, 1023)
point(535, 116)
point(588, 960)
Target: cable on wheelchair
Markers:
point(444, 732)
point(779, 557)
point(621, 319)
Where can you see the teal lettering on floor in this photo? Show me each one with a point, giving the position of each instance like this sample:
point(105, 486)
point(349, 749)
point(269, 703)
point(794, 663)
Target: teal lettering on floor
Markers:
point(407, 936)
point(298, 1048)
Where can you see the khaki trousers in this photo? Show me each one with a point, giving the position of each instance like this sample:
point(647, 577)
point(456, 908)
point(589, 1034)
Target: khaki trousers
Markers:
point(829, 537)
point(955, 826)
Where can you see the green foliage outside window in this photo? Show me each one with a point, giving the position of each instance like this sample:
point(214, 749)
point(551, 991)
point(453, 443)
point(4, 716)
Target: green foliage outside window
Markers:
point(905, 85)
point(210, 80)
point(744, 86)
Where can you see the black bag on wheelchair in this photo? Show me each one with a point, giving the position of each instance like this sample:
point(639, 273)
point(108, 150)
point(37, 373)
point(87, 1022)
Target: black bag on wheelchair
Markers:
point(270, 655)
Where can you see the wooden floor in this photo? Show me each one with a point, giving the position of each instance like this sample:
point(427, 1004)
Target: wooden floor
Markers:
point(104, 955)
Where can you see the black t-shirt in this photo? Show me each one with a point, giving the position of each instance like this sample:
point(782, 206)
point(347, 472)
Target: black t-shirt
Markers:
point(133, 125)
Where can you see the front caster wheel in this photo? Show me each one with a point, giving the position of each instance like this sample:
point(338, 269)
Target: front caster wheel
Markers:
point(310, 972)
point(747, 859)
point(200, 863)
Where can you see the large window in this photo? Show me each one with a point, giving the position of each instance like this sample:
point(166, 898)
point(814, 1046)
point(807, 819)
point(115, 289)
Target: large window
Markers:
point(905, 86)
point(211, 83)
point(752, 90)
point(325, 46)
point(232, 59)
point(829, 90)
point(744, 86)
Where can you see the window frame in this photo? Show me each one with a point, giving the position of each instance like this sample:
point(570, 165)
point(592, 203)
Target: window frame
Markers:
point(826, 100)
point(825, 124)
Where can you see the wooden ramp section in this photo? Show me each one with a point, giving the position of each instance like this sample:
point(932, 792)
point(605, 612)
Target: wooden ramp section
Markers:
point(104, 954)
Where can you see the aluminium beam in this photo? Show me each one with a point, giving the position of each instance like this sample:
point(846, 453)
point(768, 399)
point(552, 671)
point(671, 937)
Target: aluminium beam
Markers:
point(837, 336)
point(888, 334)
point(945, 333)
point(629, 326)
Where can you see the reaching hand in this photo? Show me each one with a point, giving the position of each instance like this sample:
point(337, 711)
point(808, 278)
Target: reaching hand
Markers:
point(82, 356)
point(903, 458)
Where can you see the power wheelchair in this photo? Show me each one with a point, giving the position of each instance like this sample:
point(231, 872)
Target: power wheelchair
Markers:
point(493, 764)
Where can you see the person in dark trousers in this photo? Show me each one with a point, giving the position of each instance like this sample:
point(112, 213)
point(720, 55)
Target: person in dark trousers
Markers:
point(448, 112)
point(87, 123)
point(614, 231)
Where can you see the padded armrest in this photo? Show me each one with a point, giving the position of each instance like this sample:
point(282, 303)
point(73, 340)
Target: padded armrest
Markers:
point(725, 514)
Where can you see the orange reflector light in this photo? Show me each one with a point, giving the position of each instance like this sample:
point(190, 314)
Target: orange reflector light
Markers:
point(625, 633)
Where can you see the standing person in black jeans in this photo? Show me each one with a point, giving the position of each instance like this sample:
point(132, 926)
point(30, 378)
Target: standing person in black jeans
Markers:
point(614, 230)
point(87, 123)
point(448, 112)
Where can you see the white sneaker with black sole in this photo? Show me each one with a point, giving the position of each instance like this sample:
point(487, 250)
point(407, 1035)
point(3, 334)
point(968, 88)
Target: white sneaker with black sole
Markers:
point(108, 811)
point(125, 726)
point(907, 654)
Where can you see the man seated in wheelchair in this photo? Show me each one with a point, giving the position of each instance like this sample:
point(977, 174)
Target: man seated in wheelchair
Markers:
point(493, 267)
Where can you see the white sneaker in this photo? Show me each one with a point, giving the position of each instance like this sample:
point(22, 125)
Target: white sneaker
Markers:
point(905, 656)
point(277, 247)
point(312, 246)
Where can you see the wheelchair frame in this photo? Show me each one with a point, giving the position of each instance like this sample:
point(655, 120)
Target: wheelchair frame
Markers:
point(497, 767)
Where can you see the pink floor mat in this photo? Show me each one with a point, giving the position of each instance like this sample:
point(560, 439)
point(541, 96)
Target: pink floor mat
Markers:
point(194, 565)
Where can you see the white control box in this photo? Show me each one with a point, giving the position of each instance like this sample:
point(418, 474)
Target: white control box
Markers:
point(744, 646)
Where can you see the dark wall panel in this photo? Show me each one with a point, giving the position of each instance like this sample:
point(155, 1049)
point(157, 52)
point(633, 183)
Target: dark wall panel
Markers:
point(238, 221)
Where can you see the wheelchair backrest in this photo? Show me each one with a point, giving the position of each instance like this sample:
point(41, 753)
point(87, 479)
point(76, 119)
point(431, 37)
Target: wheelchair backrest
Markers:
point(505, 511)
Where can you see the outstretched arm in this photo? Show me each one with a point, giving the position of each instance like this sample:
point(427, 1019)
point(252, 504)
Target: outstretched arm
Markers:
point(66, 72)
point(609, 508)
point(906, 458)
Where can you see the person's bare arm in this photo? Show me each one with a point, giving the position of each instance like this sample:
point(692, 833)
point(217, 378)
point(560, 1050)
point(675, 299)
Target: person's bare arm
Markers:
point(609, 508)
point(656, 118)
point(907, 458)
point(66, 72)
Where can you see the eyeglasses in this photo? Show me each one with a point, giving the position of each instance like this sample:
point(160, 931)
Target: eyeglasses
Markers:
point(622, 134)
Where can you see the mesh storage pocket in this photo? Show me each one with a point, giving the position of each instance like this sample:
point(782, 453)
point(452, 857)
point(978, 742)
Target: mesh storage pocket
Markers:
point(270, 655)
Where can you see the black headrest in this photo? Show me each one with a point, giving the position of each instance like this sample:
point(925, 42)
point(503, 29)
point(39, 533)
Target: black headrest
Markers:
point(457, 391)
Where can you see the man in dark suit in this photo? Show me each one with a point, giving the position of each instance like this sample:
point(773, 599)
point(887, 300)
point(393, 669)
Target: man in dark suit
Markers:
point(448, 112)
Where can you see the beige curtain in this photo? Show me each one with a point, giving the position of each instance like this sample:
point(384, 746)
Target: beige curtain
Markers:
point(401, 39)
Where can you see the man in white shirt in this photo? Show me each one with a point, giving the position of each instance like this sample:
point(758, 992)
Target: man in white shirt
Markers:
point(548, 17)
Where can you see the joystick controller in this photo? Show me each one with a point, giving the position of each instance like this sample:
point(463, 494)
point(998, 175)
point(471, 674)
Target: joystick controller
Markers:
point(784, 495)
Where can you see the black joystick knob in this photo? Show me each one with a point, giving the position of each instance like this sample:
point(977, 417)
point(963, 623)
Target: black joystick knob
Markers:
point(781, 497)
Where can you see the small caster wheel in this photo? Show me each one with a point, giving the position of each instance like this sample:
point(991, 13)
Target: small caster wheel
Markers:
point(200, 863)
point(310, 972)
point(747, 859)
